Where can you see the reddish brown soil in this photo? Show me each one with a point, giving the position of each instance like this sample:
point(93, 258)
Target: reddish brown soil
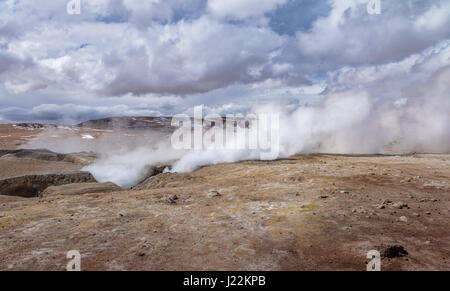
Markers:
point(22, 167)
point(12, 137)
point(269, 217)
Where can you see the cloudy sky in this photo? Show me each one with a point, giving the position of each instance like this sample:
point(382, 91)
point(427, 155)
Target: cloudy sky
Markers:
point(162, 57)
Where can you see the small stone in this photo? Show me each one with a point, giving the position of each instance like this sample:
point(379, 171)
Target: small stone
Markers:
point(214, 194)
point(416, 214)
point(141, 254)
point(400, 205)
point(173, 199)
point(381, 207)
point(403, 219)
point(359, 210)
point(323, 196)
point(428, 213)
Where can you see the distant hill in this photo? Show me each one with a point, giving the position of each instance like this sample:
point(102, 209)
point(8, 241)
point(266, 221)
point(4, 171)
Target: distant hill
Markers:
point(128, 123)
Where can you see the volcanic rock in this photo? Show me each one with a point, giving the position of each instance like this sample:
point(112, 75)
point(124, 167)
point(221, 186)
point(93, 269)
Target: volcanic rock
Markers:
point(394, 251)
point(42, 154)
point(400, 205)
point(172, 199)
point(32, 185)
point(151, 171)
point(214, 194)
point(166, 180)
point(403, 219)
point(46, 155)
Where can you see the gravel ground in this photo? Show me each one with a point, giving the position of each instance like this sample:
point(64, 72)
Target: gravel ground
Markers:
point(303, 213)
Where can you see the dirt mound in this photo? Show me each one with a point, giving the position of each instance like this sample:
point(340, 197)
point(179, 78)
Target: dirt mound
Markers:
point(167, 180)
point(46, 155)
point(152, 171)
point(84, 159)
point(81, 188)
point(32, 185)
point(40, 154)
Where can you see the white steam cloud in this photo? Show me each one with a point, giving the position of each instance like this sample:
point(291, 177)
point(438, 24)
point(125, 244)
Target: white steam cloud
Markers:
point(127, 168)
point(401, 107)
point(348, 122)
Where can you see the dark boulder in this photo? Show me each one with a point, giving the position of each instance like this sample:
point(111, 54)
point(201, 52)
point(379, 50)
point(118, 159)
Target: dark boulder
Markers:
point(393, 251)
point(32, 185)
point(46, 155)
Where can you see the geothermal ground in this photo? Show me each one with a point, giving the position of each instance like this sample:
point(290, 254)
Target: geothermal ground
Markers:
point(316, 212)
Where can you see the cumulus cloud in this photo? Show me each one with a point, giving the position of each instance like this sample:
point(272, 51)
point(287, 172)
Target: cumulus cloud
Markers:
point(222, 53)
point(179, 58)
point(349, 36)
point(192, 57)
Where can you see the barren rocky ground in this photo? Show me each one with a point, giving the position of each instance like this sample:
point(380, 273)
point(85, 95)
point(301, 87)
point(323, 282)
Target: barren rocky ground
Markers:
point(316, 212)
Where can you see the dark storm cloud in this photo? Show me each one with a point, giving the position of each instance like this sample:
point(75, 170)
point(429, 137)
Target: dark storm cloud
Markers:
point(10, 62)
